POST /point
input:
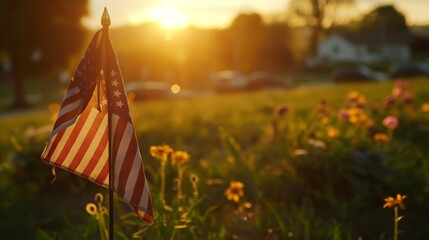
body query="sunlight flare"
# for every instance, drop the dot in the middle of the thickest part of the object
(168, 16)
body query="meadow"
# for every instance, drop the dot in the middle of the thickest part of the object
(303, 163)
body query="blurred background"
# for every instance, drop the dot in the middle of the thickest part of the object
(200, 48)
(288, 97)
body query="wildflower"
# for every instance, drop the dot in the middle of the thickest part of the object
(389, 101)
(380, 137)
(402, 83)
(160, 152)
(234, 191)
(323, 109)
(425, 107)
(332, 132)
(356, 99)
(194, 178)
(357, 116)
(391, 122)
(343, 114)
(316, 143)
(54, 108)
(393, 202)
(180, 157)
(300, 152)
(397, 91)
(407, 97)
(281, 110)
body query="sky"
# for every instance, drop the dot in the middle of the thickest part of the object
(220, 13)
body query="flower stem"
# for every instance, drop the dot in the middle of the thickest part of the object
(163, 182)
(179, 181)
(395, 226)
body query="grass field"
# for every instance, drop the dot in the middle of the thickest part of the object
(307, 159)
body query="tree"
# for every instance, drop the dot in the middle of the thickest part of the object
(39, 36)
(384, 18)
(318, 14)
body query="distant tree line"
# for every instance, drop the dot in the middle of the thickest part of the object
(248, 44)
(40, 37)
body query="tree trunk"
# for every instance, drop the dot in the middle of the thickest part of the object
(19, 101)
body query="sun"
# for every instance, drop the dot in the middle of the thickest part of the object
(168, 16)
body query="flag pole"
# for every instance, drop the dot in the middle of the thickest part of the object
(105, 22)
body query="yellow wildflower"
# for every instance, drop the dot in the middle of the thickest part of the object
(393, 202)
(355, 98)
(160, 152)
(234, 191)
(333, 132)
(54, 108)
(425, 107)
(180, 157)
(380, 137)
(357, 116)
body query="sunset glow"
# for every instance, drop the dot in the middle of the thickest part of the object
(167, 15)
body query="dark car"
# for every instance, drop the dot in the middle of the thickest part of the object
(144, 90)
(411, 70)
(228, 80)
(356, 74)
(261, 80)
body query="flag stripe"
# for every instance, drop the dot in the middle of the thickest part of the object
(122, 150)
(71, 107)
(48, 147)
(72, 142)
(97, 146)
(71, 92)
(54, 145)
(103, 177)
(92, 162)
(145, 196)
(128, 176)
(90, 140)
(100, 164)
(138, 189)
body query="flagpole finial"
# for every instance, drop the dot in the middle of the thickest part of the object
(105, 18)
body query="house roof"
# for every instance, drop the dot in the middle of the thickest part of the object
(378, 38)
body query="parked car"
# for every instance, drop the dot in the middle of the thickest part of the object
(145, 90)
(411, 70)
(357, 74)
(227, 80)
(262, 79)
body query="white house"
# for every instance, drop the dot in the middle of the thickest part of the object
(358, 48)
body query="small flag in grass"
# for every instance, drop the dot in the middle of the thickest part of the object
(94, 125)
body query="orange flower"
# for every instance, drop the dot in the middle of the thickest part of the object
(160, 152)
(333, 132)
(357, 116)
(180, 157)
(54, 108)
(393, 202)
(355, 98)
(380, 137)
(234, 191)
(425, 107)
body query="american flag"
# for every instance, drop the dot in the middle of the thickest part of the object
(88, 115)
